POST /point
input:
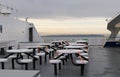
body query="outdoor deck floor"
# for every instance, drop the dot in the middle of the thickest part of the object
(103, 62)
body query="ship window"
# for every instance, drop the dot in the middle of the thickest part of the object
(0, 28)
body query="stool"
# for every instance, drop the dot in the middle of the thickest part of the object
(40, 56)
(26, 61)
(13, 57)
(82, 64)
(2, 61)
(63, 59)
(55, 62)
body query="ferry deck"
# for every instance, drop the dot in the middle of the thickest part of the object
(103, 62)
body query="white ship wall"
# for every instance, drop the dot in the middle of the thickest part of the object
(16, 30)
(13, 29)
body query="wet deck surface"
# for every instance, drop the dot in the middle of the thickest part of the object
(103, 62)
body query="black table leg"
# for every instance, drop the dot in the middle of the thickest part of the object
(13, 65)
(82, 69)
(2, 65)
(34, 64)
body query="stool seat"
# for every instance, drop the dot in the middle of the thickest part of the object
(40, 54)
(86, 50)
(62, 57)
(55, 61)
(3, 60)
(81, 61)
(36, 56)
(84, 54)
(12, 56)
(50, 49)
(26, 60)
(86, 57)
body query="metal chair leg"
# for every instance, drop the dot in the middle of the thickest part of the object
(45, 58)
(82, 69)
(59, 66)
(26, 66)
(40, 57)
(13, 65)
(55, 69)
(34, 64)
(2, 65)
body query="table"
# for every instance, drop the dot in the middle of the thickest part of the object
(34, 50)
(19, 73)
(34, 47)
(49, 45)
(59, 42)
(70, 52)
(19, 51)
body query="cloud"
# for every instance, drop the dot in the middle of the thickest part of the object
(65, 8)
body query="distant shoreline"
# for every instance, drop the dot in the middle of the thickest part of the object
(76, 35)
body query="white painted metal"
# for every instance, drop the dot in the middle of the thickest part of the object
(16, 30)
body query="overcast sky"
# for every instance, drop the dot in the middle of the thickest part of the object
(65, 8)
(61, 9)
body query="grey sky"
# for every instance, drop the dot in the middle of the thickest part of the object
(65, 8)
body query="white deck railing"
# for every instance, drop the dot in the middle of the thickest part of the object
(5, 44)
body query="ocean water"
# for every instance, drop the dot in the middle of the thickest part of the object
(92, 39)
